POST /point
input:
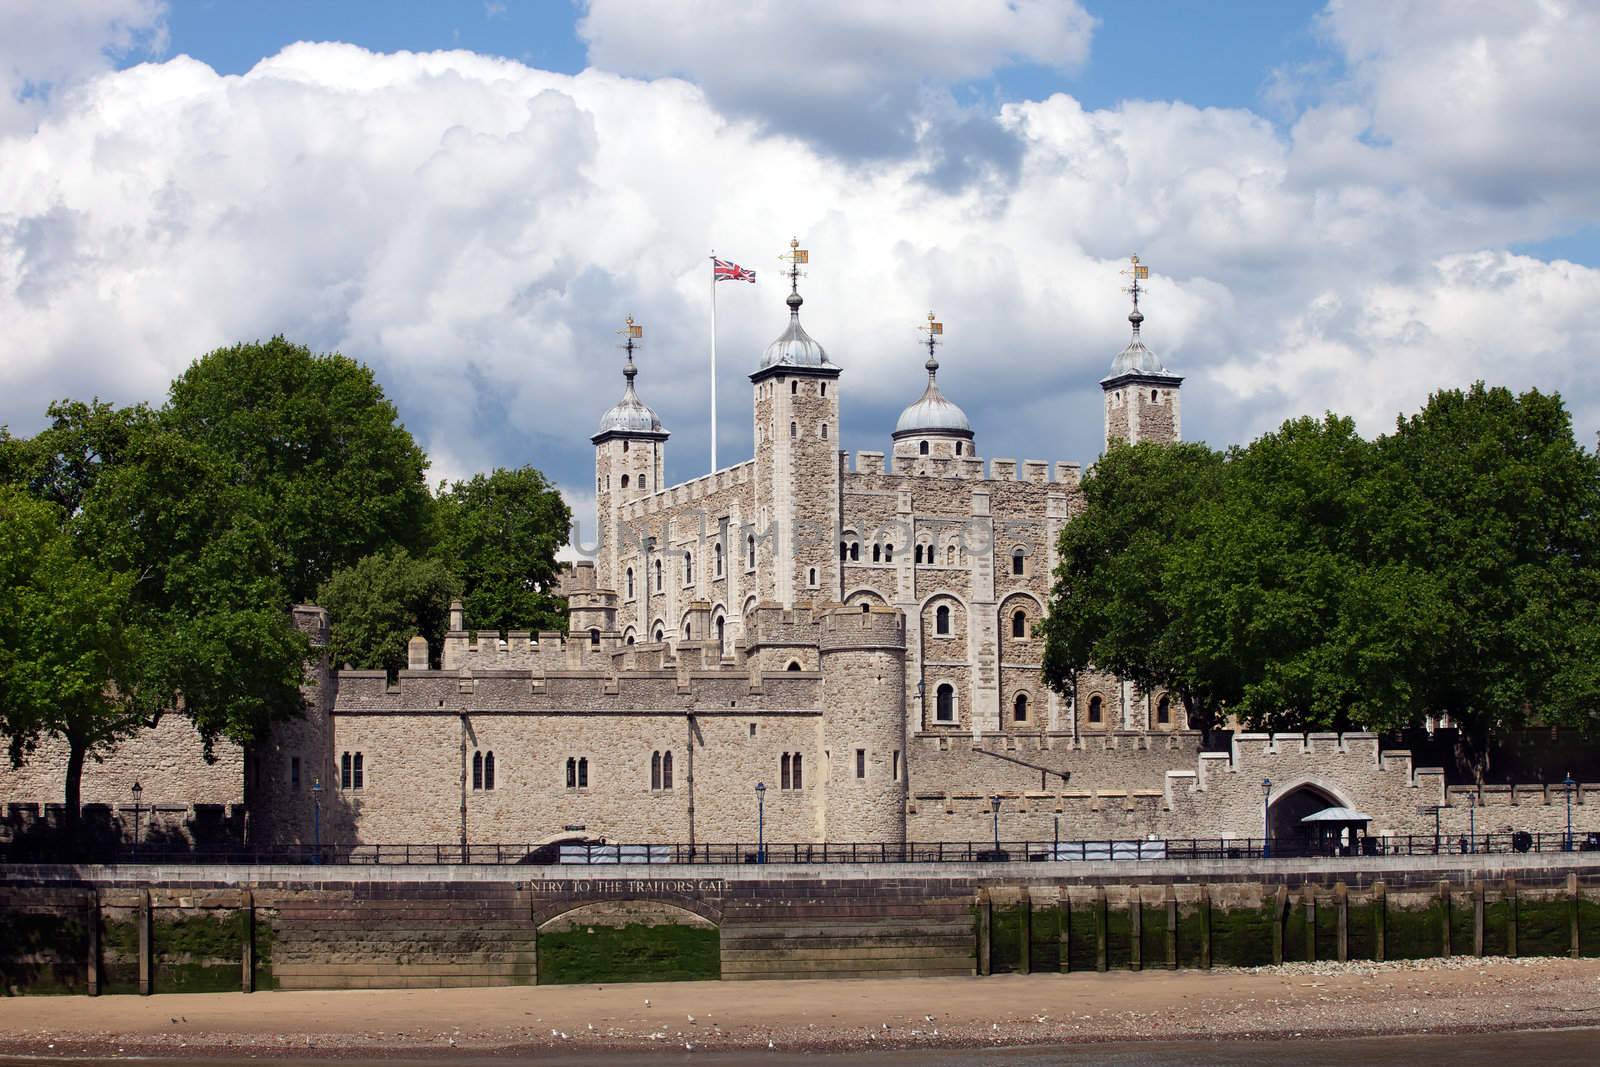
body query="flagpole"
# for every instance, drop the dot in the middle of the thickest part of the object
(713, 360)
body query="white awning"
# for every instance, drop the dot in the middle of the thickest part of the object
(1338, 815)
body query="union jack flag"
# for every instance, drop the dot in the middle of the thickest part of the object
(724, 271)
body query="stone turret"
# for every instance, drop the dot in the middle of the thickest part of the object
(863, 723)
(1141, 395)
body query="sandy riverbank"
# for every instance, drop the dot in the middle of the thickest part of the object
(1307, 1000)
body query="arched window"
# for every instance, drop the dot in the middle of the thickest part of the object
(1019, 708)
(923, 448)
(477, 770)
(594, 638)
(844, 551)
(950, 556)
(658, 576)
(855, 551)
(624, 481)
(877, 553)
(824, 431)
(643, 480)
(958, 447)
(1094, 709)
(1164, 711)
(688, 568)
(824, 389)
(583, 772)
(794, 430)
(1017, 557)
(488, 770)
(865, 607)
(344, 771)
(783, 772)
(888, 553)
(666, 770)
(630, 583)
(358, 782)
(941, 620)
(655, 770)
(661, 635)
(716, 557)
(795, 781)
(1019, 624)
(721, 634)
(794, 665)
(630, 639)
(750, 551)
(624, 446)
(794, 388)
(811, 577)
(919, 554)
(572, 773)
(1152, 396)
(944, 703)
(688, 632)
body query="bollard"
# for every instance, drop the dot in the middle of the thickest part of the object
(146, 964)
(92, 929)
(1064, 931)
(1341, 903)
(247, 963)
(985, 930)
(1380, 921)
(1136, 930)
(1101, 960)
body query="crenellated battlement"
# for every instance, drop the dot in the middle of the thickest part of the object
(965, 468)
(689, 492)
(875, 627)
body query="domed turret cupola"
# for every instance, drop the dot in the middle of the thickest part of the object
(630, 415)
(934, 425)
(795, 349)
(1141, 395)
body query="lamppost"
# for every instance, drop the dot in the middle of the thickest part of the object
(1266, 817)
(761, 822)
(316, 821)
(994, 802)
(138, 791)
(1566, 844)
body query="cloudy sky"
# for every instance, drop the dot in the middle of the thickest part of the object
(1344, 206)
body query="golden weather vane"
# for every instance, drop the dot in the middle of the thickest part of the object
(934, 329)
(1138, 272)
(632, 333)
(795, 257)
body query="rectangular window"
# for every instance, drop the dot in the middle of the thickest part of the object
(294, 772)
(896, 765)
(358, 771)
(861, 763)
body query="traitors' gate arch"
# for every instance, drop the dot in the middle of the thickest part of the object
(627, 929)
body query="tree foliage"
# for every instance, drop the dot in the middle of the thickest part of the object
(315, 450)
(500, 534)
(1315, 580)
(380, 603)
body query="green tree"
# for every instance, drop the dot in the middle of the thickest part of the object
(380, 603)
(500, 533)
(1110, 607)
(66, 653)
(315, 449)
(1491, 497)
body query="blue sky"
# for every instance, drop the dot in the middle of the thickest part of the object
(1346, 205)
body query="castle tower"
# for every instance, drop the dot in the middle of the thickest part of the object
(933, 426)
(629, 461)
(795, 528)
(1141, 395)
(863, 657)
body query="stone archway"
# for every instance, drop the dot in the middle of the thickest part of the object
(639, 940)
(1298, 801)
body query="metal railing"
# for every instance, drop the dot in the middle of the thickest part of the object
(581, 854)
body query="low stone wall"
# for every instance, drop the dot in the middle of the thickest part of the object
(153, 929)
